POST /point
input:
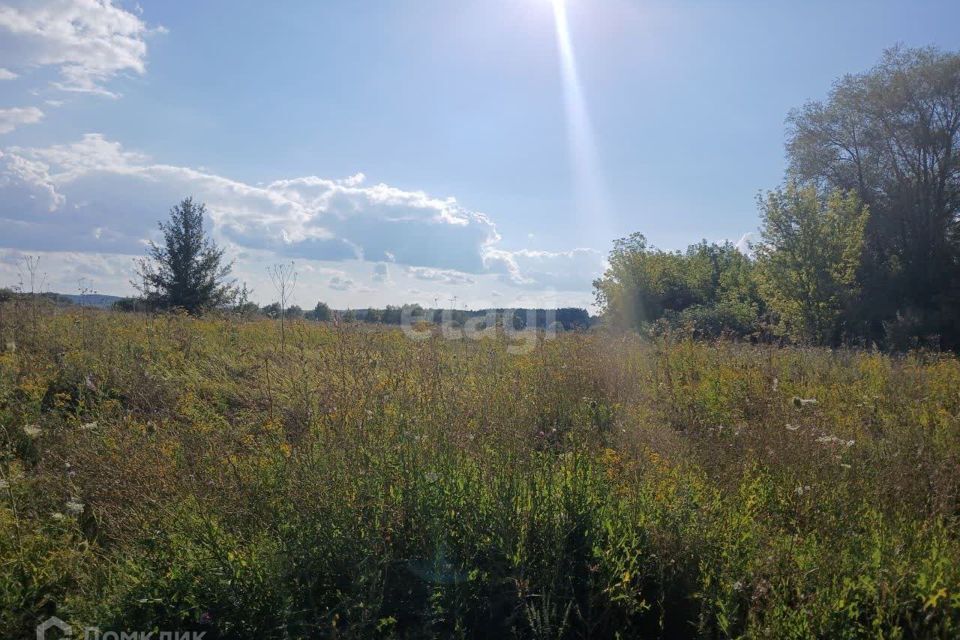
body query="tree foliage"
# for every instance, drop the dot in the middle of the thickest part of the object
(320, 313)
(808, 260)
(709, 287)
(892, 135)
(187, 270)
(861, 246)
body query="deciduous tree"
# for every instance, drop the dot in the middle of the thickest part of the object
(808, 260)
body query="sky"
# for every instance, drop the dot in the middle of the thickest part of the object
(457, 152)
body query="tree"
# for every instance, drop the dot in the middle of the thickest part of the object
(709, 288)
(187, 271)
(632, 290)
(243, 307)
(284, 279)
(573, 318)
(892, 135)
(320, 313)
(293, 312)
(808, 260)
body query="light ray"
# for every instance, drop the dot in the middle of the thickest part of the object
(585, 165)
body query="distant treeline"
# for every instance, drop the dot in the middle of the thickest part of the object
(860, 246)
(569, 318)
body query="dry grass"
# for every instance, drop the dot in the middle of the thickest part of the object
(173, 473)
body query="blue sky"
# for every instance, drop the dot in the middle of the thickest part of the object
(455, 112)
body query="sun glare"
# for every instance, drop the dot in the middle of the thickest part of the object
(588, 185)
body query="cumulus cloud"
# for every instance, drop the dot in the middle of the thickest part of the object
(564, 270)
(95, 195)
(26, 188)
(443, 276)
(10, 119)
(335, 219)
(88, 41)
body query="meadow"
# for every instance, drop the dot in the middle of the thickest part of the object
(172, 473)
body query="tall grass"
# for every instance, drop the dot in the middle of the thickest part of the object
(170, 473)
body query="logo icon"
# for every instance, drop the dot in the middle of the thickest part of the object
(53, 622)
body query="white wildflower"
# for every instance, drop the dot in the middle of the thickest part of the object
(776, 384)
(835, 440)
(57, 515)
(89, 426)
(32, 430)
(74, 507)
(430, 477)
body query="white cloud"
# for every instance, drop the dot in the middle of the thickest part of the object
(443, 276)
(95, 196)
(6, 74)
(10, 119)
(68, 272)
(88, 41)
(563, 270)
(26, 187)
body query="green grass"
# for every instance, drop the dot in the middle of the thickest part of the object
(172, 474)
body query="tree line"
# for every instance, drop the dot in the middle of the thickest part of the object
(187, 272)
(569, 318)
(858, 246)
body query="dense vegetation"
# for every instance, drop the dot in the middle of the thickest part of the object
(171, 472)
(859, 247)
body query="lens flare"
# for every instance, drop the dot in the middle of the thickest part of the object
(588, 185)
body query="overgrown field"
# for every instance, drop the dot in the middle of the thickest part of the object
(170, 473)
